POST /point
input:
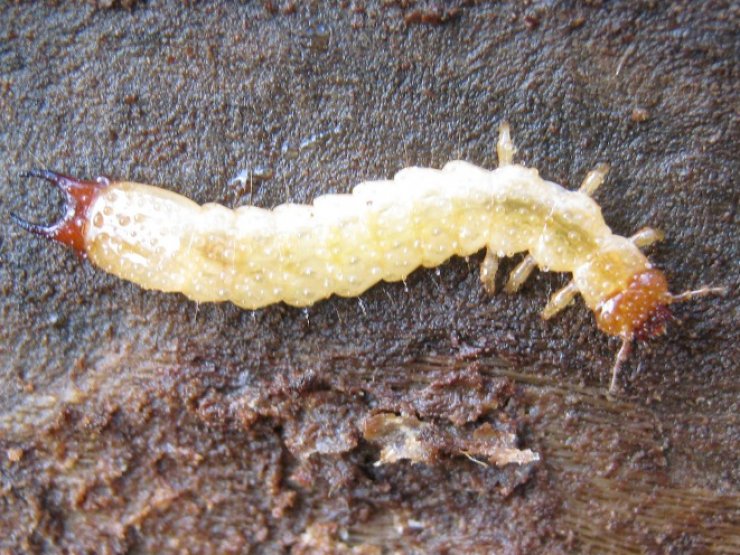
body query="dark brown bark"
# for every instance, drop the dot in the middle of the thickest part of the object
(135, 421)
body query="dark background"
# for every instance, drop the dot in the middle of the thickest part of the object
(136, 421)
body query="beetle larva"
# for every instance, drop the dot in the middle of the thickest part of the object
(343, 244)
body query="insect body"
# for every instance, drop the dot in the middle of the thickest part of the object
(384, 230)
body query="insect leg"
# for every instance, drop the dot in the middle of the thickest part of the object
(646, 237)
(594, 179)
(505, 147)
(563, 297)
(560, 300)
(488, 269)
(520, 274)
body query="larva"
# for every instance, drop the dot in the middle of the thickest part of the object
(383, 230)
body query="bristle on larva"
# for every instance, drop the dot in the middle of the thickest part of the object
(383, 230)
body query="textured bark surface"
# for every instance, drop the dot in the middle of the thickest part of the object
(136, 421)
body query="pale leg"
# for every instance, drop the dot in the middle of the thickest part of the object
(646, 237)
(560, 300)
(594, 179)
(520, 274)
(488, 269)
(505, 147)
(563, 297)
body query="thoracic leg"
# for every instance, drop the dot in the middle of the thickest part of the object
(505, 147)
(520, 274)
(594, 179)
(560, 300)
(646, 237)
(488, 269)
(563, 297)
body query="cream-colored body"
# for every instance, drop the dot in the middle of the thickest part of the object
(343, 244)
(384, 230)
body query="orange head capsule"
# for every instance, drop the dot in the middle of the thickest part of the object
(640, 311)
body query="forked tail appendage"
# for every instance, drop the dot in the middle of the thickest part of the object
(79, 195)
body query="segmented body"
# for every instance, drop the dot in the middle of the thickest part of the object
(383, 230)
(343, 244)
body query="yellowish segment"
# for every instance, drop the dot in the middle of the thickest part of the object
(343, 244)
